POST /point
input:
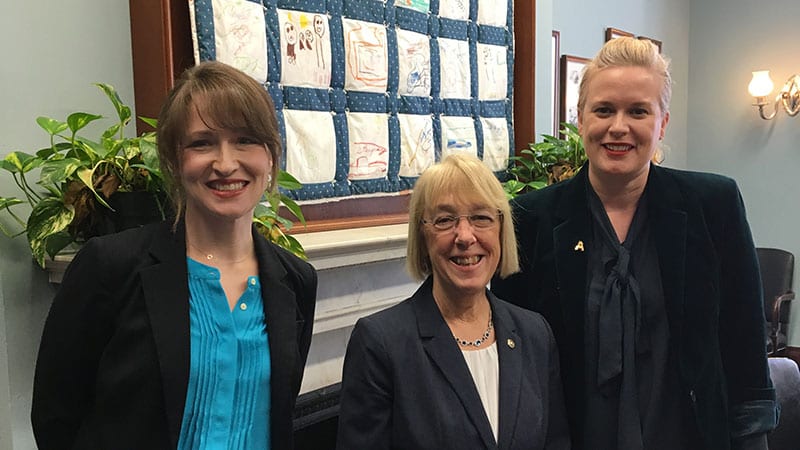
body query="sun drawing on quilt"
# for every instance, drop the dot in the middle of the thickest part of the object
(306, 49)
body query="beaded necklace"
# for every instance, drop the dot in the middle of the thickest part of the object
(477, 342)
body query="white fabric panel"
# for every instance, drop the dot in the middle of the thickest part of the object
(369, 145)
(492, 12)
(310, 145)
(240, 36)
(305, 49)
(495, 143)
(454, 9)
(454, 67)
(366, 53)
(458, 135)
(414, 57)
(492, 72)
(416, 144)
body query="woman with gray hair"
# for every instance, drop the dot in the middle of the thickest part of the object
(648, 276)
(454, 367)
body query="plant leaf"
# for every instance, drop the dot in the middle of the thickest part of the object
(147, 145)
(6, 202)
(78, 120)
(47, 218)
(56, 242)
(87, 177)
(52, 126)
(152, 122)
(287, 181)
(294, 208)
(57, 171)
(123, 111)
(16, 162)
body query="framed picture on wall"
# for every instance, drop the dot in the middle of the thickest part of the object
(554, 70)
(571, 72)
(654, 41)
(613, 33)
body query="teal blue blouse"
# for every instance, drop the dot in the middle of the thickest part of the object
(228, 396)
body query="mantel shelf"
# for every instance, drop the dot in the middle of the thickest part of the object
(325, 249)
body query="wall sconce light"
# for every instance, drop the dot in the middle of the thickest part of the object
(761, 86)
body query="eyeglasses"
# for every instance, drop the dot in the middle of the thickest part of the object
(480, 221)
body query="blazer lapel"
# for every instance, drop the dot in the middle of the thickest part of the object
(444, 352)
(166, 294)
(510, 372)
(281, 320)
(571, 235)
(669, 221)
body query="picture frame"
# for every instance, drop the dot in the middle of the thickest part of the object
(555, 71)
(571, 72)
(613, 33)
(654, 41)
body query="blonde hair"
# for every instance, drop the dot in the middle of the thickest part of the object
(627, 51)
(230, 99)
(631, 52)
(466, 177)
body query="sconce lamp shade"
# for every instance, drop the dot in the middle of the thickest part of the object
(761, 85)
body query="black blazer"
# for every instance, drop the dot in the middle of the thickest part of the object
(113, 366)
(406, 384)
(712, 291)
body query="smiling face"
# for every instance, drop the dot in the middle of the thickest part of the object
(463, 258)
(223, 172)
(621, 123)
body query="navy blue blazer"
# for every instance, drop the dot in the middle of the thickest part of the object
(113, 365)
(712, 292)
(406, 384)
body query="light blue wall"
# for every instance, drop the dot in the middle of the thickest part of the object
(52, 53)
(729, 39)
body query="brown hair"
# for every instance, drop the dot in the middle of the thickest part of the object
(230, 99)
(467, 177)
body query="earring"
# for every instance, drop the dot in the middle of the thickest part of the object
(269, 178)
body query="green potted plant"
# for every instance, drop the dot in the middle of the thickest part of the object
(85, 185)
(552, 160)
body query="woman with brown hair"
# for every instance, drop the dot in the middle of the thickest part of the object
(194, 333)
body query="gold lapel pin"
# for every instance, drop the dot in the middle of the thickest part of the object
(511, 343)
(579, 246)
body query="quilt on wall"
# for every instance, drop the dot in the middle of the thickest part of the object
(369, 93)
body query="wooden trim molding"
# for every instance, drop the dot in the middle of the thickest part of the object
(161, 47)
(524, 70)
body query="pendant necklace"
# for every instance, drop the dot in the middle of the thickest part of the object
(210, 256)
